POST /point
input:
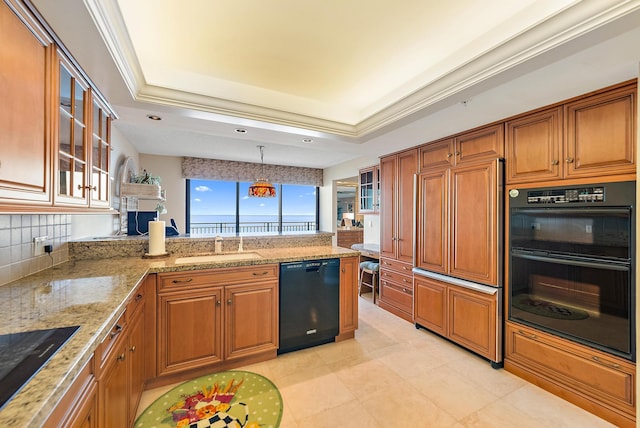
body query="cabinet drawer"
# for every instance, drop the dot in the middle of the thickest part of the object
(222, 276)
(396, 265)
(589, 372)
(397, 278)
(397, 295)
(107, 346)
(136, 302)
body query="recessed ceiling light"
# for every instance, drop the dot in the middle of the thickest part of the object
(154, 117)
(307, 140)
(241, 130)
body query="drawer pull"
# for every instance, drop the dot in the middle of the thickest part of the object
(604, 363)
(133, 348)
(530, 336)
(263, 273)
(229, 301)
(116, 330)
(405, 280)
(182, 281)
(122, 357)
(139, 297)
(404, 290)
(218, 303)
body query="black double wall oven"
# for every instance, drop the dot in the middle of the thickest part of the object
(571, 263)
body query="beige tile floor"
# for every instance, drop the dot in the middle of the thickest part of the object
(393, 375)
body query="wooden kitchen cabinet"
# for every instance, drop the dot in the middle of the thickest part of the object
(189, 329)
(25, 119)
(210, 316)
(589, 136)
(122, 358)
(348, 297)
(465, 315)
(251, 319)
(55, 122)
(601, 133)
(83, 131)
(396, 205)
(458, 228)
(533, 146)
(397, 232)
(78, 408)
(596, 381)
(396, 288)
(484, 143)
(369, 190)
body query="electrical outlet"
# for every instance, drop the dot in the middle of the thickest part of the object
(38, 245)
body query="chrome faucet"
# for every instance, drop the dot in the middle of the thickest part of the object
(218, 244)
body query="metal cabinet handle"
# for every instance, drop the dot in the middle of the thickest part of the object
(457, 153)
(449, 155)
(182, 281)
(139, 297)
(569, 160)
(530, 336)
(555, 162)
(133, 348)
(261, 273)
(122, 357)
(116, 330)
(229, 301)
(80, 187)
(218, 303)
(604, 363)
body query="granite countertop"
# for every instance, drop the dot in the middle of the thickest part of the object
(93, 294)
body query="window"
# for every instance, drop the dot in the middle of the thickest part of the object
(223, 207)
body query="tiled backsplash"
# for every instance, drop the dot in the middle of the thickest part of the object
(16, 243)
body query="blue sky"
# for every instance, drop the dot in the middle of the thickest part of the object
(218, 198)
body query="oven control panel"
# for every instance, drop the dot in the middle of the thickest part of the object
(565, 196)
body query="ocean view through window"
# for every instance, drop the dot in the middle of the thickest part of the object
(217, 207)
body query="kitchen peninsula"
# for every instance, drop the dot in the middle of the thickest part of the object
(98, 290)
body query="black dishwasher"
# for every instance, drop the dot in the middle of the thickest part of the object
(309, 303)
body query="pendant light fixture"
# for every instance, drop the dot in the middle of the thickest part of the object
(262, 188)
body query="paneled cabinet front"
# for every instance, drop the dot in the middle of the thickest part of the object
(53, 120)
(208, 317)
(25, 118)
(190, 329)
(458, 229)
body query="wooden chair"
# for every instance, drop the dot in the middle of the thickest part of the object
(371, 269)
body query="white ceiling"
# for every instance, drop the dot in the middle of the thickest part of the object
(361, 78)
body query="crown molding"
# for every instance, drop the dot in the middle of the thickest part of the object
(567, 25)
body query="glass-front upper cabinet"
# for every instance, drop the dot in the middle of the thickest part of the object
(100, 154)
(71, 179)
(369, 190)
(83, 142)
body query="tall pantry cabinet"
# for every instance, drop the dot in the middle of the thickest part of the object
(396, 232)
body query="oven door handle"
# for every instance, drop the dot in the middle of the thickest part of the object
(622, 267)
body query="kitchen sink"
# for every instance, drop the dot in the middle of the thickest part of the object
(218, 258)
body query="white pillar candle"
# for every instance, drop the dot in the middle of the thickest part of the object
(156, 238)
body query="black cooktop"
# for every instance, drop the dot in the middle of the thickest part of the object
(23, 354)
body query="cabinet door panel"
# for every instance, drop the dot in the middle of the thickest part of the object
(475, 234)
(189, 330)
(472, 321)
(251, 319)
(430, 305)
(348, 294)
(601, 134)
(114, 391)
(436, 154)
(24, 121)
(407, 167)
(137, 361)
(388, 212)
(534, 147)
(433, 220)
(481, 144)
